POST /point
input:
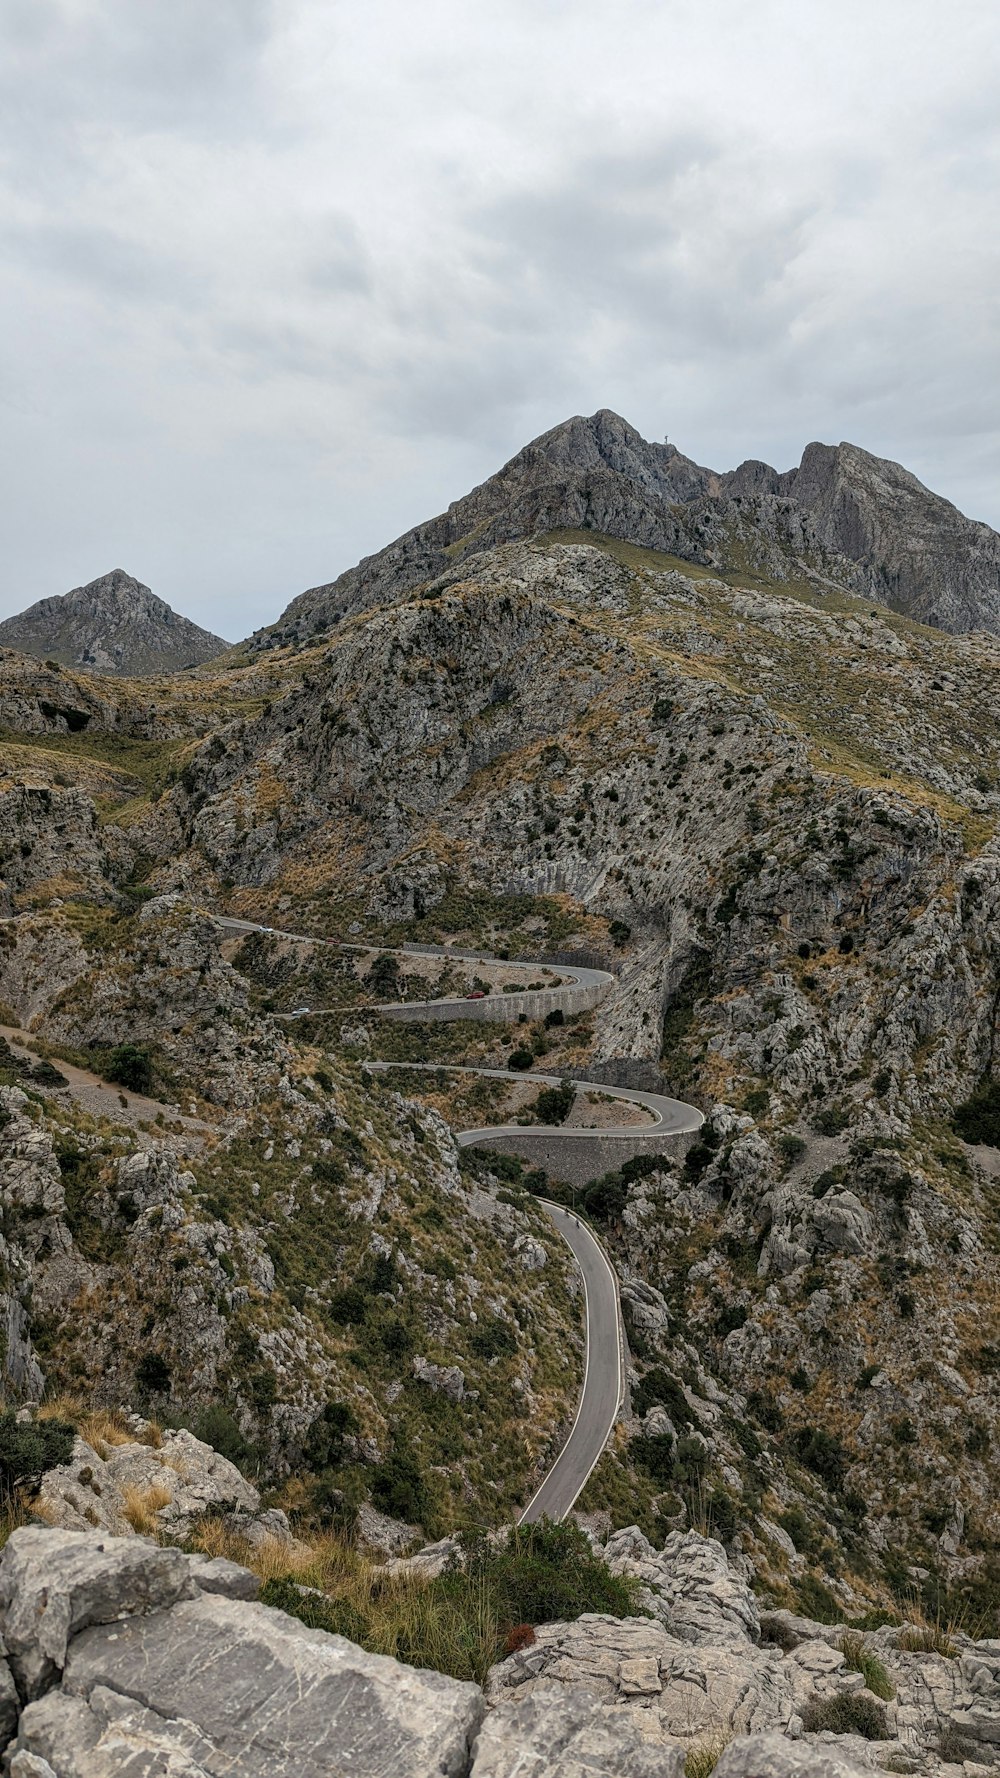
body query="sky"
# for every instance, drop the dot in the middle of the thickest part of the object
(281, 278)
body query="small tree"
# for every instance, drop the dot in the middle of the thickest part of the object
(28, 1449)
(130, 1065)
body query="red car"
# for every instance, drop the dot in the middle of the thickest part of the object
(477, 994)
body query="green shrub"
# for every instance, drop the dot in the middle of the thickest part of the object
(954, 1749)
(800, 1530)
(520, 1059)
(130, 1065)
(849, 1713)
(27, 1450)
(383, 977)
(791, 1146)
(978, 1119)
(830, 1120)
(860, 1659)
(554, 1104)
(730, 1317)
(605, 1199)
(822, 1452)
(316, 1610)
(398, 1486)
(654, 1452)
(325, 1442)
(545, 1573)
(153, 1373)
(493, 1339)
(816, 1601)
(659, 1389)
(765, 1409)
(701, 1154)
(348, 1308)
(216, 1426)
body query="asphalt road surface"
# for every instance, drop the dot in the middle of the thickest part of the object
(671, 1117)
(601, 1394)
(570, 975)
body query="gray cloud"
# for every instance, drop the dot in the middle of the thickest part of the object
(281, 280)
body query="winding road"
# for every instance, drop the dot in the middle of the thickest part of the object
(601, 1393)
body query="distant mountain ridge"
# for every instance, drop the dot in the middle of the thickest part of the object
(843, 514)
(115, 624)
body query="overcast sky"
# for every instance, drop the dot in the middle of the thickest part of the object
(281, 278)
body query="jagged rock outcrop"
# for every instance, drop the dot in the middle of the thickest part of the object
(889, 535)
(121, 1657)
(112, 625)
(175, 1481)
(861, 520)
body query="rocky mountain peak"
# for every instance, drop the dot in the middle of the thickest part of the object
(114, 624)
(843, 515)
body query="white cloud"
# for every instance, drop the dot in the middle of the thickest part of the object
(282, 277)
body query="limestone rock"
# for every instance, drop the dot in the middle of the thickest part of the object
(443, 1379)
(773, 1756)
(692, 1587)
(265, 1695)
(217, 1575)
(674, 1692)
(54, 1583)
(390, 1537)
(559, 1732)
(91, 1491)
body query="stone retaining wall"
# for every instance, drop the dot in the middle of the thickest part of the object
(503, 1009)
(578, 1159)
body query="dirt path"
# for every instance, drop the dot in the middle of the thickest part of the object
(116, 1104)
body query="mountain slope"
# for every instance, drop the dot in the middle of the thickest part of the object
(112, 625)
(775, 806)
(843, 515)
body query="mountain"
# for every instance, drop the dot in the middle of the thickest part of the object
(768, 800)
(112, 625)
(844, 515)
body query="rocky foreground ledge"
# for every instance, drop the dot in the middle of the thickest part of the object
(126, 1658)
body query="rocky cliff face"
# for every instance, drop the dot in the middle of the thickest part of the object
(844, 515)
(885, 534)
(112, 625)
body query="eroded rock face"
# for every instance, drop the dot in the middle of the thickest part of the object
(134, 1660)
(222, 1683)
(565, 1733)
(671, 1692)
(871, 523)
(54, 1583)
(91, 1491)
(690, 1586)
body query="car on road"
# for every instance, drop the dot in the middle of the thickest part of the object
(299, 1012)
(477, 994)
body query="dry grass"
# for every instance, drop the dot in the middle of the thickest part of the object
(701, 1759)
(927, 1639)
(100, 1428)
(141, 1505)
(16, 1510)
(325, 1561)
